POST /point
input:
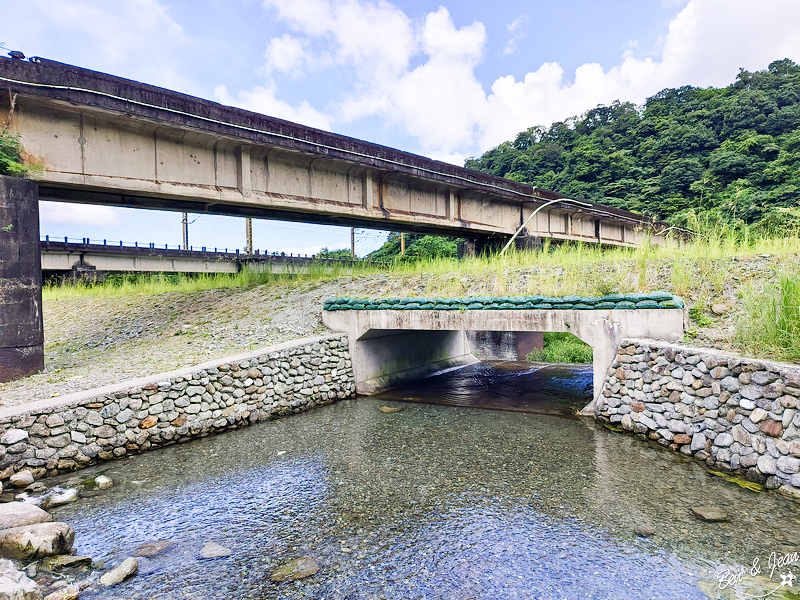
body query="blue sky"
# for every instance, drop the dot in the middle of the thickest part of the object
(443, 79)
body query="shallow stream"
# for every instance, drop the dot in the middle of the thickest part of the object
(435, 501)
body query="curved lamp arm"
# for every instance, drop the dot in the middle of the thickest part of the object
(533, 214)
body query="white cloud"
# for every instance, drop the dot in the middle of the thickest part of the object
(137, 38)
(515, 28)
(262, 99)
(55, 213)
(285, 54)
(419, 76)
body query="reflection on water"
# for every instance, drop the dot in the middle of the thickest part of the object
(430, 502)
(555, 389)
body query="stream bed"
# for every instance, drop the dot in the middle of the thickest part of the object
(446, 500)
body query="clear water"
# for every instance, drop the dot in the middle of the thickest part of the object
(435, 501)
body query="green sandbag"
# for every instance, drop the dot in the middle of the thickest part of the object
(384, 306)
(475, 306)
(507, 306)
(528, 305)
(612, 298)
(544, 305)
(582, 306)
(625, 304)
(647, 304)
(605, 305)
(636, 297)
(590, 299)
(659, 295)
(411, 306)
(427, 306)
(565, 306)
(534, 299)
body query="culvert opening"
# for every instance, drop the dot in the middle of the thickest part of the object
(552, 389)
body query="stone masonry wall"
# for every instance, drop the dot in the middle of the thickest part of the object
(736, 414)
(70, 432)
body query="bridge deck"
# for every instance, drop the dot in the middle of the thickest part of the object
(106, 140)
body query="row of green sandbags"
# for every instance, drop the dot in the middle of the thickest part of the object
(610, 301)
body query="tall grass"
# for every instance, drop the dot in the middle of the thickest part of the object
(769, 326)
(567, 268)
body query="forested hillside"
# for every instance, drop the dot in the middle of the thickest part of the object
(732, 152)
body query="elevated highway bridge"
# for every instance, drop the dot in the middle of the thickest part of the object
(106, 140)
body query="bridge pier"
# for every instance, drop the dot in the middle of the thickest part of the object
(21, 326)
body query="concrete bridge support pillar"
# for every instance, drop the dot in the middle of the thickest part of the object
(21, 327)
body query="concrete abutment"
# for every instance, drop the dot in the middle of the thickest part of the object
(21, 326)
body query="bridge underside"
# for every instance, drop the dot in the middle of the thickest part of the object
(390, 347)
(105, 140)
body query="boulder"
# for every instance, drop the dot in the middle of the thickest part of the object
(681, 439)
(36, 541)
(65, 561)
(15, 585)
(69, 592)
(214, 550)
(153, 548)
(102, 482)
(299, 568)
(711, 514)
(19, 514)
(60, 498)
(22, 479)
(127, 568)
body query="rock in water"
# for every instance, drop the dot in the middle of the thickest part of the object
(644, 531)
(127, 568)
(17, 514)
(153, 548)
(712, 514)
(389, 409)
(22, 479)
(214, 550)
(36, 541)
(66, 593)
(15, 585)
(299, 568)
(65, 561)
(102, 482)
(64, 497)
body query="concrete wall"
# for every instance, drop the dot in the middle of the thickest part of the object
(21, 328)
(504, 345)
(601, 329)
(737, 414)
(76, 430)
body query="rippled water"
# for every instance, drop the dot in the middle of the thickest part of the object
(431, 502)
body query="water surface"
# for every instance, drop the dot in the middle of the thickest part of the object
(435, 501)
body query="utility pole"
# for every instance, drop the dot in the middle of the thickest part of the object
(353, 243)
(249, 248)
(185, 231)
(402, 243)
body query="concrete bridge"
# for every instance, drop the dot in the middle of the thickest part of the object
(83, 258)
(391, 347)
(105, 140)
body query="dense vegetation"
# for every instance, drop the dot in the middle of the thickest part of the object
(10, 150)
(562, 348)
(730, 153)
(418, 247)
